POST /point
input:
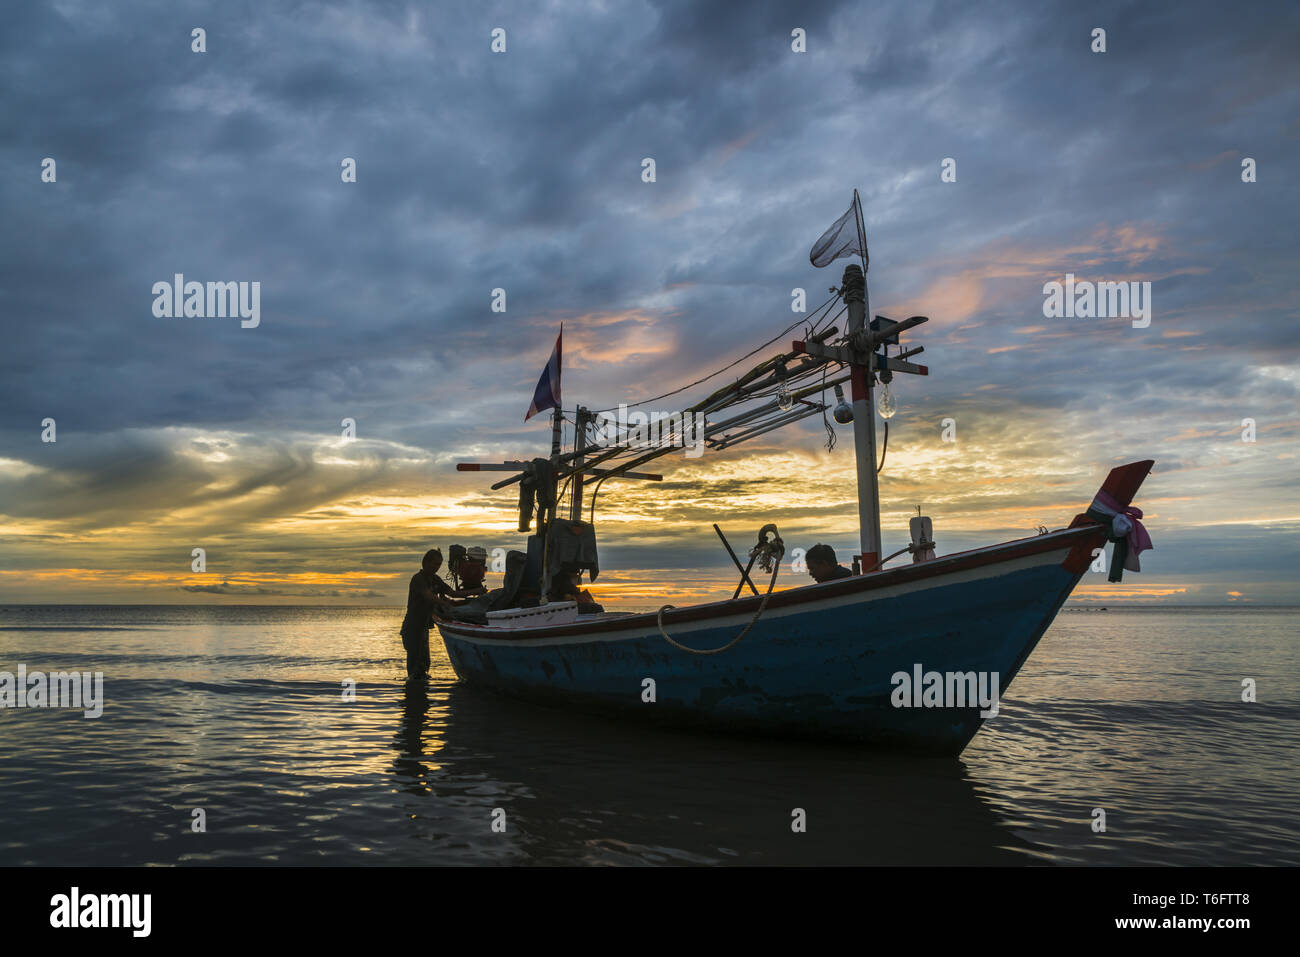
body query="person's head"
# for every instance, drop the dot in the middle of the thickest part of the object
(820, 561)
(562, 587)
(432, 561)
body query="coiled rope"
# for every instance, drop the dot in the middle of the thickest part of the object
(732, 643)
(772, 551)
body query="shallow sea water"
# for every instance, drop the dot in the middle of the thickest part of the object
(238, 711)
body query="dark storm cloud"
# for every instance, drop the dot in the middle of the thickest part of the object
(520, 170)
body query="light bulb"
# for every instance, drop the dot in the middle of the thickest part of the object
(885, 404)
(784, 400)
(843, 411)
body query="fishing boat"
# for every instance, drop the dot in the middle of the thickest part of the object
(914, 656)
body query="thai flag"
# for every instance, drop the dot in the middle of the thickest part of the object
(547, 395)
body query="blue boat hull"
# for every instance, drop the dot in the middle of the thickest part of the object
(820, 662)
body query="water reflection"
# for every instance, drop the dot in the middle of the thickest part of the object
(409, 740)
(580, 789)
(239, 711)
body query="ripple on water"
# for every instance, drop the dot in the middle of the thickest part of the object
(240, 713)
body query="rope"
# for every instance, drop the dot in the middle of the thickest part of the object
(891, 557)
(883, 449)
(830, 432)
(793, 325)
(594, 492)
(560, 495)
(776, 567)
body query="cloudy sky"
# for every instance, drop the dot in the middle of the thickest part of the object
(522, 170)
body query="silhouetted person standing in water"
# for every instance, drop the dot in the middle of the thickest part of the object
(428, 593)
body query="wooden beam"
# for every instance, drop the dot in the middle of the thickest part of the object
(898, 365)
(838, 353)
(485, 467)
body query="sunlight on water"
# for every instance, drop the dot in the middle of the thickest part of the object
(240, 712)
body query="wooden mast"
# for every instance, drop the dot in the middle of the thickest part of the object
(557, 426)
(579, 446)
(859, 353)
(864, 424)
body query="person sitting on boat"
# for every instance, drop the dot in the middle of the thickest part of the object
(428, 595)
(568, 587)
(822, 565)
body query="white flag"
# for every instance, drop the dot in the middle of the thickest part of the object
(842, 239)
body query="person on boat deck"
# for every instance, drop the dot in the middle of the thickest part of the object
(427, 596)
(568, 587)
(822, 565)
